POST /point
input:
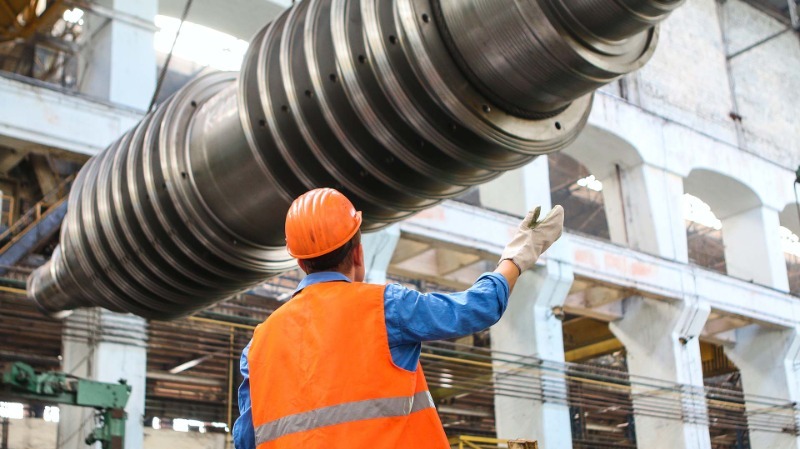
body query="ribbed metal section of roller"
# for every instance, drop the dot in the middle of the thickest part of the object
(400, 104)
(534, 58)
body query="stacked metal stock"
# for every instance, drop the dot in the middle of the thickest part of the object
(400, 104)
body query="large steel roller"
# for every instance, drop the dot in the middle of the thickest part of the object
(398, 103)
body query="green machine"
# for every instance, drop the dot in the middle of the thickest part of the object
(21, 382)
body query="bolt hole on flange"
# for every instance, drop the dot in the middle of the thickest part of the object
(393, 39)
(426, 18)
(558, 125)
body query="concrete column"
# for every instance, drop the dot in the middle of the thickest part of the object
(532, 326)
(106, 347)
(517, 191)
(643, 207)
(121, 56)
(768, 362)
(378, 250)
(753, 248)
(661, 340)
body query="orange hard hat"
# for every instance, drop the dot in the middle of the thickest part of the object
(320, 221)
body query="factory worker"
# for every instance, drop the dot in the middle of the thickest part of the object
(337, 366)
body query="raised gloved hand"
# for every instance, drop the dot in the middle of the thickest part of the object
(534, 237)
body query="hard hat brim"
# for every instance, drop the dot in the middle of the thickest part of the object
(356, 227)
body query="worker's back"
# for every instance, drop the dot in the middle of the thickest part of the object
(322, 376)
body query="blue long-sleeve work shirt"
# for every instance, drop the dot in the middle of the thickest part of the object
(411, 318)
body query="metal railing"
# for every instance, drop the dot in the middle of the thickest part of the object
(459, 371)
(468, 379)
(476, 442)
(6, 211)
(35, 213)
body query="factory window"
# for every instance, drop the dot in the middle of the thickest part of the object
(703, 234)
(790, 243)
(791, 250)
(51, 414)
(198, 44)
(12, 410)
(183, 425)
(723, 384)
(717, 235)
(581, 194)
(74, 16)
(471, 197)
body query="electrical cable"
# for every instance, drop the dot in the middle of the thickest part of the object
(164, 69)
(796, 199)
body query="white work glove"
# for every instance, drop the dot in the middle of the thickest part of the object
(534, 237)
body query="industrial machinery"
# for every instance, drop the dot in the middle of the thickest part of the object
(398, 103)
(21, 382)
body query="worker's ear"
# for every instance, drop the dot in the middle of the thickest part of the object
(302, 266)
(358, 256)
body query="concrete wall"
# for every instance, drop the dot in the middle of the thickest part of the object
(766, 82)
(690, 81)
(687, 79)
(170, 439)
(32, 433)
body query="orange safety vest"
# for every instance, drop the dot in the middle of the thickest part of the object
(322, 376)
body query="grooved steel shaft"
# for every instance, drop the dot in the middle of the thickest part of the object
(400, 104)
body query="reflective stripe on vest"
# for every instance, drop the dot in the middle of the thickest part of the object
(322, 377)
(343, 413)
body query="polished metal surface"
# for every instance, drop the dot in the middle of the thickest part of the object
(373, 97)
(613, 20)
(534, 57)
